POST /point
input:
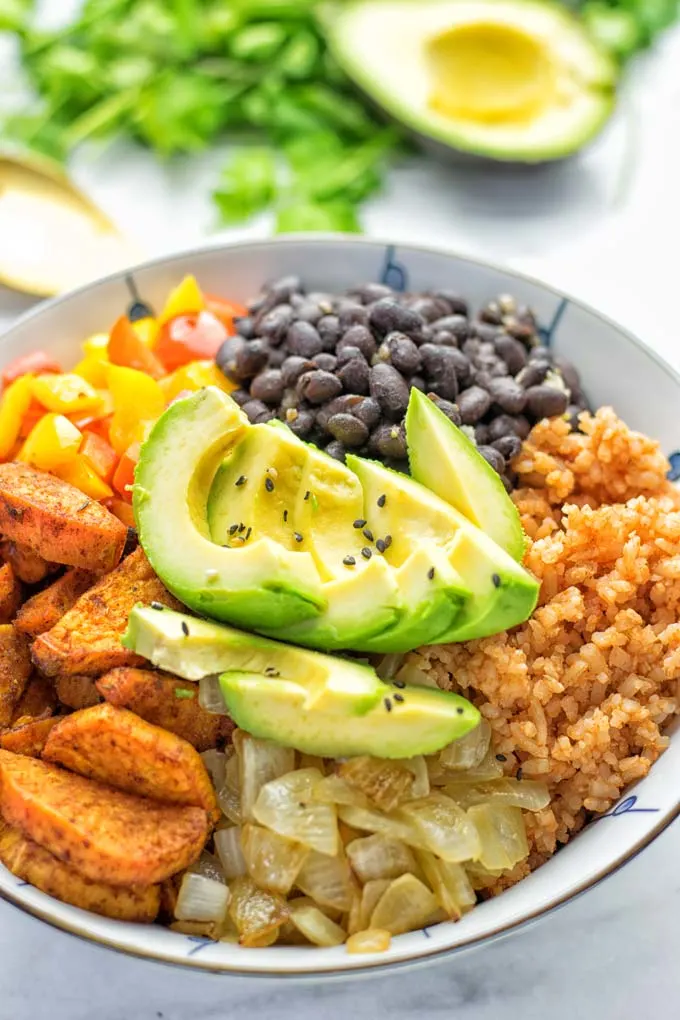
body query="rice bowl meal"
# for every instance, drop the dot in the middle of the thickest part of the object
(324, 618)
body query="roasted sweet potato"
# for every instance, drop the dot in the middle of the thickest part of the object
(77, 691)
(87, 638)
(160, 698)
(37, 701)
(15, 669)
(44, 610)
(10, 593)
(57, 521)
(108, 836)
(28, 566)
(116, 747)
(28, 737)
(30, 862)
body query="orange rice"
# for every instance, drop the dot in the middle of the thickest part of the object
(578, 696)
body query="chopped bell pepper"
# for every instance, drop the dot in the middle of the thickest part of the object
(86, 422)
(137, 400)
(194, 376)
(146, 330)
(123, 511)
(29, 364)
(225, 311)
(126, 349)
(79, 473)
(190, 337)
(15, 403)
(35, 412)
(99, 454)
(185, 297)
(65, 394)
(93, 370)
(95, 345)
(52, 443)
(124, 476)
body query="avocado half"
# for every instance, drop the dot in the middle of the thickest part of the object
(510, 80)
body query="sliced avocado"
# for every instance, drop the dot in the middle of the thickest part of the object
(319, 704)
(512, 80)
(502, 593)
(261, 581)
(443, 459)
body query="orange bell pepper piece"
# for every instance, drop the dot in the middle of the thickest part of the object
(127, 349)
(123, 511)
(99, 454)
(124, 475)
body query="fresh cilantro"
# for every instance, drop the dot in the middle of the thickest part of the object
(247, 185)
(184, 693)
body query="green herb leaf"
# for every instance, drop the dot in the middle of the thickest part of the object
(183, 692)
(247, 185)
(304, 216)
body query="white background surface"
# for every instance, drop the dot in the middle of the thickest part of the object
(606, 228)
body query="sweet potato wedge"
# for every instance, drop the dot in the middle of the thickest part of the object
(28, 737)
(28, 566)
(87, 638)
(43, 611)
(10, 593)
(15, 669)
(77, 691)
(37, 701)
(116, 747)
(57, 521)
(106, 835)
(160, 698)
(30, 862)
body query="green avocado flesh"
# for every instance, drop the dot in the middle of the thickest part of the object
(316, 703)
(512, 80)
(444, 460)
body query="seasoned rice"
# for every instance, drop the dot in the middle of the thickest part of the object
(578, 696)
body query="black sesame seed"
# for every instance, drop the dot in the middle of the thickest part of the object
(297, 536)
(269, 484)
(241, 527)
(501, 757)
(388, 704)
(496, 580)
(185, 628)
(349, 561)
(382, 500)
(307, 495)
(233, 529)
(241, 480)
(459, 711)
(368, 534)
(388, 541)
(366, 553)
(520, 774)
(248, 534)
(399, 683)
(398, 697)
(157, 605)
(430, 573)
(359, 523)
(272, 671)
(285, 516)
(380, 545)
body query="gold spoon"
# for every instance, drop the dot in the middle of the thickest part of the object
(52, 236)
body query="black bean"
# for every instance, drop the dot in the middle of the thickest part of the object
(336, 450)
(390, 389)
(481, 435)
(344, 404)
(540, 355)
(345, 354)
(451, 411)
(325, 361)
(402, 353)
(355, 375)
(389, 441)
(245, 327)
(268, 386)
(511, 351)
(308, 311)
(317, 387)
(492, 314)
(508, 446)
(258, 412)
(226, 357)
(277, 356)
(351, 313)
(416, 382)
(508, 394)
(571, 377)
(545, 401)
(455, 302)
(388, 316)
(293, 367)
(367, 293)
(302, 423)
(323, 299)
(289, 400)
(505, 425)
(302, 338)
(484, 331)
(444, 338)
(457, 325)
(368, 411)
(441, 361)
(274, 324)
(329, 330)
(347, 429)
(360, 337)
(533, 374)
(525, 332)
(251, 358)
(493, 457)
(240, 396)
(284, 288)
(473, 404)
(429, 307)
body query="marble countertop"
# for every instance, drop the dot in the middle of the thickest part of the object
(604, 226)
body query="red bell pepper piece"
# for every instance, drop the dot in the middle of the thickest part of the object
(125, 348)
(100, 455)
(226, 311)
(124, 475)
(196, 336)
(35, 363)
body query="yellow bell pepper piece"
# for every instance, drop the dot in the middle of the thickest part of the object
(92, 370)
(147, 330)
(15, 402)
(195, 376)
(53, 442)
(137, 400)
(65, 393)
(96, 345)
(79, 473)
(186, 297)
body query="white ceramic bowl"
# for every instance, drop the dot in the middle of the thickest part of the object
(616, 369)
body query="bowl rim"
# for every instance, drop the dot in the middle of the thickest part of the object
(367, 968)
